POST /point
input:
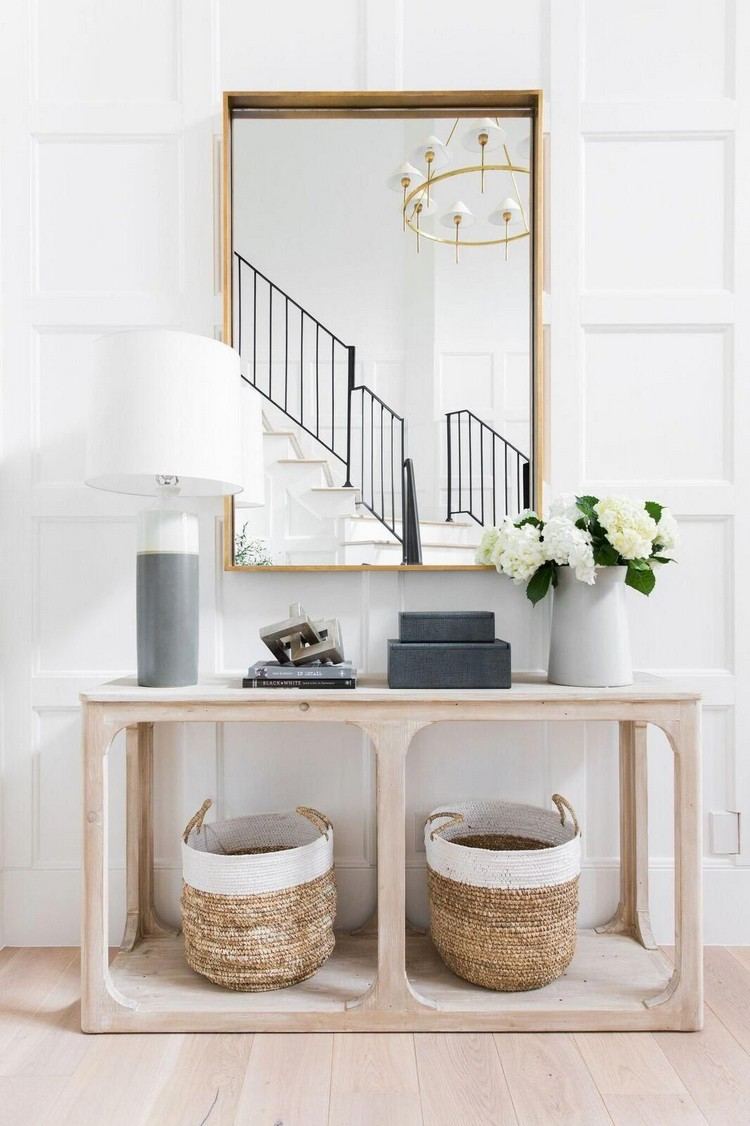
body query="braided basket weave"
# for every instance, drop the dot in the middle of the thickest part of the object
(503, 889)
(258, 898)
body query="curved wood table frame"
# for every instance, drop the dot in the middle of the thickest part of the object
(148, 988)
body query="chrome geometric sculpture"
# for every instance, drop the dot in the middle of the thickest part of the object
(299, 640)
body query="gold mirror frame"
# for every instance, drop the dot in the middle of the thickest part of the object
(394, 103)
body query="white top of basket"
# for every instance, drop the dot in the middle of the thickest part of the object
(207, 863)
(511, 868)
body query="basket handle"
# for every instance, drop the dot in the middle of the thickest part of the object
(196, 821)
(319, 820)
(455, 819)
(564, 805)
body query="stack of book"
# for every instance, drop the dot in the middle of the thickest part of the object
(270, 674)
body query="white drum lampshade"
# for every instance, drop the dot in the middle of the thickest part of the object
(166, 421)
(165, 404)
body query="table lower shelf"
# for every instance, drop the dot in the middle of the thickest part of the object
(607, 985)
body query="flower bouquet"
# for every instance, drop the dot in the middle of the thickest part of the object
(583, 533)
(588, 550)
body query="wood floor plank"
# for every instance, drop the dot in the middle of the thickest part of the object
(374, 1080)
(742, 954)
(27, 980)
(50, 1043)
(205, 1083)
(288, 1080)
(549, 1081)
(6, 954)
(461, 1080)
(636, 1080)
(728, 992)
(714, 1068)
(25, 1100)
(117, 1082)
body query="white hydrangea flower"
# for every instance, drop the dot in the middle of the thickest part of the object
(560, 534)
(667, 532)
(518, 552)
(566, 544)
(486, 546)
(581, 559)
(629, 528)
(565, 506)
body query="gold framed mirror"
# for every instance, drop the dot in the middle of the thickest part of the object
(382, 277)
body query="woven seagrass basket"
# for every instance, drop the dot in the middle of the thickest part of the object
(503, 889)
(258, 898)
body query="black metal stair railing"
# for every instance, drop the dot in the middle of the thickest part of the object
(487, 476)
(295, 362)
(308, 372)
(381, 457)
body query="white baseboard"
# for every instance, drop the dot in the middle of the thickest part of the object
(42, 905)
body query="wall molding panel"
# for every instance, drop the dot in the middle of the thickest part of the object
(110, 220)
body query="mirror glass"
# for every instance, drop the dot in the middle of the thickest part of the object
(382, 308)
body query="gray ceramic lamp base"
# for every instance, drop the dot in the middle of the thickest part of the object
(167, 599)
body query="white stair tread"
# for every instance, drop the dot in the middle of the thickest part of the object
(302, 461)
(333, 489)
(397, 543)
(425, 523)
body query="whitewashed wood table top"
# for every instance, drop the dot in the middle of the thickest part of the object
(528, 687)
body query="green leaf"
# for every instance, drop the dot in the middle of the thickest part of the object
(531, 519)
(605, 555)
(662, 559)
(640, 577)
(654, 510)
(586, 506)
(539, 582)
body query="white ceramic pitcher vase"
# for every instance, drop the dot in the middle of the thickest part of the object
(589, 642)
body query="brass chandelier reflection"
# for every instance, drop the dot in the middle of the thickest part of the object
(433, 163)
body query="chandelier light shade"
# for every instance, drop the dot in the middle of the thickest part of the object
(403, 179)
(405, 171)
(432, 155)
(507, 211)
(457, 216)
(432, 164)
(431, 152)
(483, 136)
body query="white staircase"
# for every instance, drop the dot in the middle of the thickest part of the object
(310, 517)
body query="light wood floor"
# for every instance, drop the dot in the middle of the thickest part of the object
(52, 1074)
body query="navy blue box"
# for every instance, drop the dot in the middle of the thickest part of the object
(446, 625)
(448, 664)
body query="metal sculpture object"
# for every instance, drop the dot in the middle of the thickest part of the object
(299, 640)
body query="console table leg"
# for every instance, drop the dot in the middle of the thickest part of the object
(142, 919)
(632, 914)
(685, 990)
(391, 991)
(98, 996)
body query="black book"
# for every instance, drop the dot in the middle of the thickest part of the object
(272, 671)
(274, 682)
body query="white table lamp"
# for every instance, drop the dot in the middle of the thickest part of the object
(165, 422)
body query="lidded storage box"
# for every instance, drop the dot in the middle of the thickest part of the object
(258, 897)
(503, 889)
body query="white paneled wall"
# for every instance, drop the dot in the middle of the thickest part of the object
(110, 117)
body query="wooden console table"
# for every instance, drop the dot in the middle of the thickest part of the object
(391, 981)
